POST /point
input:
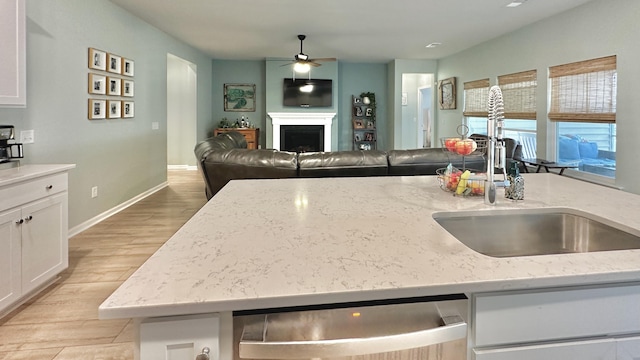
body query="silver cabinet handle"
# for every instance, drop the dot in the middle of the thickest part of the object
(204, 355)
(19, 221)
(28, 218)
(49, 187)
(255, 345)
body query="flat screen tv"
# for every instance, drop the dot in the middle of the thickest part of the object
(308, 93)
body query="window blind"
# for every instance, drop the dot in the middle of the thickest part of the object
(584, 91)
(476, 94)
(519, 94)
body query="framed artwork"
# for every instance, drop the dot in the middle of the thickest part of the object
(127, 67)
(114, 63)
(114, 86)
(370, 125)
(97, 84)
(358, 124)
(447, 93)
(97, 109)
(114, 108)
(369, 112)
(128, 109)
(97, 59)
(239, 97)
(127, 88)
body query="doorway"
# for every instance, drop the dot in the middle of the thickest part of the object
(181, 112)
(417, 111)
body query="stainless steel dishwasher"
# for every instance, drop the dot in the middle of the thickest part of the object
(405, 329)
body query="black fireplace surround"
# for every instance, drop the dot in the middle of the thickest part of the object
(225, 157)
(302, 138)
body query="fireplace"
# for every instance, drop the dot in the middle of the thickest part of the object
(321, 120)
(302, 138)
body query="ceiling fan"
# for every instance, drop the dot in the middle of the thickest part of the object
(302, 62)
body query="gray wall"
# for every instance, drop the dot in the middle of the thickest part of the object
(354, 79)
(124, 158)
(237, 72)
(596, 29)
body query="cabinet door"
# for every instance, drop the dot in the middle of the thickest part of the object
(180, 337)
(10, 286)
(44, 240)
(13, 55)
(584, 350)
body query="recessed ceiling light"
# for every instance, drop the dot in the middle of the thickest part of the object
(433, 44)
(516, 3)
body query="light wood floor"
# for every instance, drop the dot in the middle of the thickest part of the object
(61, 323)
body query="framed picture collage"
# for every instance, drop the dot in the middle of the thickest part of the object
(110, 86)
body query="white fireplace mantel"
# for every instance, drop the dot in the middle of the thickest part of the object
(294, 118)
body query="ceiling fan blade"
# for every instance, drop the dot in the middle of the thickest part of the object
(288, 64)
(323, 59)
(313, 63)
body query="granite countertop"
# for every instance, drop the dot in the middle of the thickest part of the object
(274, 243)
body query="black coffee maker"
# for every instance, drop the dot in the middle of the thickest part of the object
(9, 149)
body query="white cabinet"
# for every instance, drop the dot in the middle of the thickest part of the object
(590, 322)
(10, 269)
(13, 55)
(184, 337)
(33, 233)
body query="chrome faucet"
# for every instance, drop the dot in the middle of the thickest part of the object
(496, 154)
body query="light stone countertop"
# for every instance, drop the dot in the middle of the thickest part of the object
(275, 243)
(18, 173)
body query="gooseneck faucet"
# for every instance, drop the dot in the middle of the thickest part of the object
(496, 154)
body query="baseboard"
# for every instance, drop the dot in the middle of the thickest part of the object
(89, 223)
(182, 167)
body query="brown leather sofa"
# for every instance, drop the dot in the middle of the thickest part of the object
(225, 157)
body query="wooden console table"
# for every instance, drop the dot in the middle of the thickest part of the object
(251, 135)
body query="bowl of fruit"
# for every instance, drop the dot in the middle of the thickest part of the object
(461, 183)
(460, 145)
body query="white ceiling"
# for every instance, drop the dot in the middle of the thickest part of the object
(350, 30)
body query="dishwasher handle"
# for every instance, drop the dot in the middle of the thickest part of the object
(253, 346)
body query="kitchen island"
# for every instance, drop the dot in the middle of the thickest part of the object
(294, 242)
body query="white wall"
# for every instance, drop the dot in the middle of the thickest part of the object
(596, 29)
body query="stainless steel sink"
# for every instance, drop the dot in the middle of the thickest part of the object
(537, 232)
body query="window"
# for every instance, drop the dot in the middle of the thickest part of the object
(476, 94)
(519, 91)
(583, 105)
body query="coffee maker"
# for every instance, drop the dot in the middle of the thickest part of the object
(9, 149)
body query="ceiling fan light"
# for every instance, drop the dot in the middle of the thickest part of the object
(301, 68)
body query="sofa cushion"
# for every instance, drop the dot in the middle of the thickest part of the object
(343, 163)
(427, 161)
(568, 149)
(588, 150)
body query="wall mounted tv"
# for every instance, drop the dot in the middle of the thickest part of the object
(308, 93)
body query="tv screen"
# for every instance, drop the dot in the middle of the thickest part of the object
(308, 92)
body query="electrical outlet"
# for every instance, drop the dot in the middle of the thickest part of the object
(27, 136)
(94, 192)
(155, 125)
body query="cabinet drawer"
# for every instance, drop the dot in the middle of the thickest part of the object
(518, 317)
(25, 192)
(587, 350)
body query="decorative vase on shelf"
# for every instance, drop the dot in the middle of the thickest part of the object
(366, 100)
